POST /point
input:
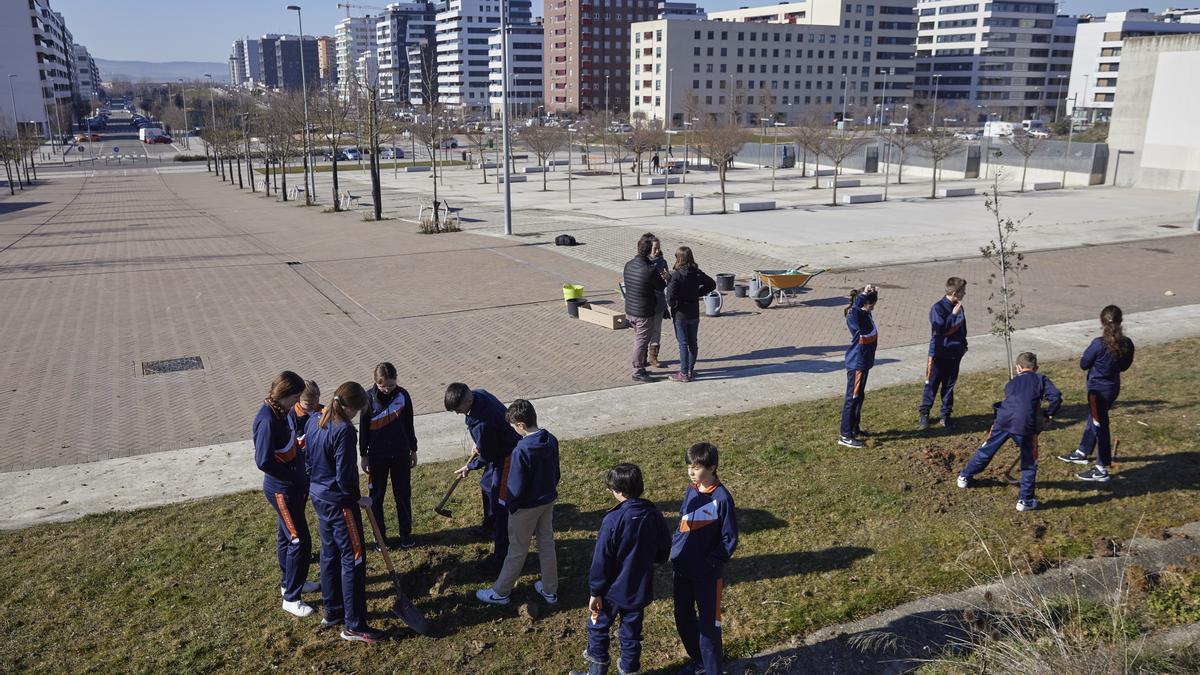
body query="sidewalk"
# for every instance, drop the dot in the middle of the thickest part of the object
(68, 492)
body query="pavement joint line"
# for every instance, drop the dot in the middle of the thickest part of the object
(64, 493)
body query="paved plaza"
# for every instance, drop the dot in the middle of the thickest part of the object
(106, 273)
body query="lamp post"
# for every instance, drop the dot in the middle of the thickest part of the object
(937, 80)
(1061, 97)
(845, 97)
(187, 129)
(687, 134)
(213, 106)
(508, 226)
(775, 152)
(1070, 135)
(304, 92)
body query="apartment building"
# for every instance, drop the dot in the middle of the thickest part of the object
(38, 50)
(777, 62)
(87, 75)
(400, 25)
(1096, 63)
(422, 74)
(237, 64)
(252, 65)
(291, 72)
(524, 70)
(353, 37)
(994, 60)
(327, 59)
(268, 69)
(461, 37)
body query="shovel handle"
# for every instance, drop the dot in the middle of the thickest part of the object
(445, 498)
(387, 558)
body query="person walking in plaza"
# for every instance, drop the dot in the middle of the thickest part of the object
(642, 281)
(388, 445)
(493, 439)
(1104, 360)
(655, 163)
(633, 538)
(687, 285)
(337, 500)
(285, 485)
(1017, 418)
(860, 357)
(947, 345)
(660, 305)
(532, 491)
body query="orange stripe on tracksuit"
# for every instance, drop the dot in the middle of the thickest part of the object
(1092, 408)
(857, 383)
(720, 590)
(356, 541)
(503, 498)
(928, 368)
(281, 502)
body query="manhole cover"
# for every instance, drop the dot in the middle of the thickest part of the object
(172, 365)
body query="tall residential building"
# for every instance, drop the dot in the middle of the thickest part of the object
(353, 37)
(524, 68)
(462, 32)
(422, 74)
(327, 59)
(994, 59)
(401, 24)
(586, 64)
(291, 73)
(87, 75)
(237, 64)
(253, 64)
(1097, 59)
(777, 62)
(680, 10)
(38, 50)
(267, 64)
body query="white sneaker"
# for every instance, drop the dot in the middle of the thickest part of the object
(550, 598)
(309, 587)
(298, 608)
(489, 596)
(1026, 505)
(963, 482)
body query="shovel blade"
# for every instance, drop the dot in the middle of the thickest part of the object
(410, 615)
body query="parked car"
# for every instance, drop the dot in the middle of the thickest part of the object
(352, 154)
(340, 156)
(160, 139)
(966, 135)
(391, 153)
(1039, 133)
(84, 138)
(448, 143)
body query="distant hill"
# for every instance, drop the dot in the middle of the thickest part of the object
(161, 72)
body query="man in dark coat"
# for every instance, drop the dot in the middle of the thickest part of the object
(642, 284)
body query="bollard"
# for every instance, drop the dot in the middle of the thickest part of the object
(687, 205)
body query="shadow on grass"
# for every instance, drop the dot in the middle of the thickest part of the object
(1161, 473)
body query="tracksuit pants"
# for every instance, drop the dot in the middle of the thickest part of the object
(1029, 454)
(293, 543)
(400, 470)
(856, 393)
(629, 635)
(485, 491)
(523, 525)
(499, 517)
(941, 373)
(698, 620)
(343, 563)
(642, 326)
(1097, 431)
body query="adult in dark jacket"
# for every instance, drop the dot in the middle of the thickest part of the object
(687, 285)
(641, 280)
(660, 304)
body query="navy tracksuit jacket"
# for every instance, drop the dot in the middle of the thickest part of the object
(1017, 417)
(387, 439)
(860, 357)
(285, 486)
(1104, 370)
(633, 537)
(495, 440)
(533, 474)
(947, 345)
(705, 541)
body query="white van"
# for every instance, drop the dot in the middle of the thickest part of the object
(998, 129)
(1033, 125)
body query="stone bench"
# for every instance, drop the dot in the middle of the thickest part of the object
(1051, 185)
(487, 165)
(663, 180)
(823, 172)
(513, 179)
(533, 169)
(957, 192)
(842, 182)
(654, 194)
(743, 207)
(415, 169)
(520, 156)
(557, 162)
(862, 199)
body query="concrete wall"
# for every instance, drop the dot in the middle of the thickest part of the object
(1154, 136)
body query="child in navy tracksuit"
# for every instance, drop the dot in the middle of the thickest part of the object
(331, 442)
(1017, 418)
(494, 441)
(705, 541)
(308, 405)
(947, 345)
(1104, 360)
(285, 485)
(532, 490)
(633, 537)
(860, 356)
(388, 445)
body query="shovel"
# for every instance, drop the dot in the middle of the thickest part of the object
(403, 609)
(441, 509)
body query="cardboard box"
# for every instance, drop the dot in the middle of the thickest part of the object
(603, 316)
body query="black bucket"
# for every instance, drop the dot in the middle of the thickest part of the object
(573, 306)
(724, 282)
(740, 290)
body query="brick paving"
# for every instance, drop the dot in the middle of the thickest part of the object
(100, 275)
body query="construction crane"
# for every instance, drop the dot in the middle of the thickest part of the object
(348, 5)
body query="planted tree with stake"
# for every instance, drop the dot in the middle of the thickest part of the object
(477, 140)
(901, 140)
(939, 143)
(810, 134)
(720, 143)
(617, 144)
(647, 136)
(1026, 145)
(839, 145)
(333, 120)
(1007, 262)
(543, 142)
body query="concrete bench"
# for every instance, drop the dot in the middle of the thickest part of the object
(743, 207)
(663, 180)
(862, 199)
(557, 162)
(487, 165)
(533, 169)
(520, 156)
(823, 172)
(654, 194)
(513, 179)
(956, 192)
(415, 169)
(1052, 185)
(842, 182)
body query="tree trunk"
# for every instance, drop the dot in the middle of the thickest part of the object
(900, 168)
(639, 170)
(283, 170)
(544, 172)
(8, 170)
(816, 169)
(721, 174)
(933, 189)
(267, 176)
(836, 166)
(1024, 170)
(621, 179)
(241, 185)
(337, 205)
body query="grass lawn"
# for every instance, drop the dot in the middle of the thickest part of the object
(828, 535)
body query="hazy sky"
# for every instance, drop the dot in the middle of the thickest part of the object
(172, 30)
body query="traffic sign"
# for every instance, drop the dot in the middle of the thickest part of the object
(80, 148)
(116, 149)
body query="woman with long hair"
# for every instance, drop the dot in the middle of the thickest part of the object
(685, 288)
(860, 357)
(1104, 360)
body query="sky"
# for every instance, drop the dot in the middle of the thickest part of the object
(203, 30)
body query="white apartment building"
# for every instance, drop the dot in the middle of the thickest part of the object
(997, 60)
(237, 64)
(776, 62)
(422, 74)
(400, 25)
(525, 44)
(87, 75)
(354, 37)
(38, 51)
(252, 64)
(1097, 57)
(462, 32)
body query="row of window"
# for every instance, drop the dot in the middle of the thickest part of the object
(797, 84)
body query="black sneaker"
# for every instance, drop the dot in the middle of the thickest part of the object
(407, 542)
(326, 622)
(850, 442)
(1077, 457)
(1094, 474)
(923, 421)
(644, 377)
(368, 635)
(860, 433)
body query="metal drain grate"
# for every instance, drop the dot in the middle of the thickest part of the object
(172, 365)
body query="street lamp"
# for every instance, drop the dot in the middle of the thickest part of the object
(1061, 97)
(775, 152)
(1070, 134)
(508, 226)
(187, 129)
(937, 80)
(687, 134)
(212, 104)
(845, 96)
(304, 92)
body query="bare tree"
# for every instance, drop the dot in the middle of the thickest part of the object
(647, 136)
(721, 143)
(939, 142)
(618, 144)
(1026, 145)
(902, 140)
(810, 133)
(1007, 261)
(840, 144)
(478, 140)
(333, 119)
(543, 142)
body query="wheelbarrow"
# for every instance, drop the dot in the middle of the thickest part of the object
(782, 284)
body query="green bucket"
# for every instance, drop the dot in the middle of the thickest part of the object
(572, 292)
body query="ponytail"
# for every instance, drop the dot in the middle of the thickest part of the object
(1114, 337)
(284, 385)
(350, 395)
(868, 298)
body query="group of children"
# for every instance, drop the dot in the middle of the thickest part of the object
(1020, 416)
(307, 453)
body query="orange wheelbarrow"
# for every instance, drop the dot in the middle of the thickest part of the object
(782, 284)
